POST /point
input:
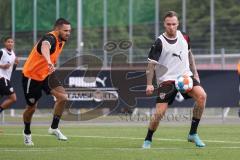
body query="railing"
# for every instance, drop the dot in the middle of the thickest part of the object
(221, 61)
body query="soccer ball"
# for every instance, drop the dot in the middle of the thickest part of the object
(184, 83)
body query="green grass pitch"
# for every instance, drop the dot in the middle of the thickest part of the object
(110, 142)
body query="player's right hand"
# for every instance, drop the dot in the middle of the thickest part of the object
(51, 68)
(149, 90)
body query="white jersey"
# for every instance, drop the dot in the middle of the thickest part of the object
(174, 57)
(7, 58)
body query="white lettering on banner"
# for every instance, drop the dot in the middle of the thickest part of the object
(97, 96)
(90, 89)
(86, 81)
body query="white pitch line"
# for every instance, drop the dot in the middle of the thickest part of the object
(129, 138)
(157, 148)
(31, 149)
(211, 141)
(217, 141)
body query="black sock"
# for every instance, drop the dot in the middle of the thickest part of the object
(55, 121)
(194, 126)
(27, 128)
(149, 135)
(1, 109)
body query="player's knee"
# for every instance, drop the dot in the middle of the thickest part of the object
(62, 98)
(154, 121)
(31, 109)
(158, 116)
(13, 98)
(202, 99)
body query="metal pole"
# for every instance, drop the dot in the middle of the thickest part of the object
(13, 19)
(57, 16)
(184, 15)
(156, 18)
(223, 57)
(57, 9)
(212, 29)
(34, 21)
(3, 117)
(79, 31)
(105, 29)
(130, 7)
(223, 118)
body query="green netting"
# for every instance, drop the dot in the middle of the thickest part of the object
(46, 14)
(24, 15)
(117, 13)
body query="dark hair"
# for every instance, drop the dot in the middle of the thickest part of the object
(60, 22)
(170, 14)
(7, 38)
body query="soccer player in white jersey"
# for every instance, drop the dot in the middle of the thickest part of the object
(170, 56)
(8, 62)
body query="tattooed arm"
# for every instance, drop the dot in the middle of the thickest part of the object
(193, 67)
(150, 75)
(153, 57)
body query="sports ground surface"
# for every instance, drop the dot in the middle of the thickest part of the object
(115, 142)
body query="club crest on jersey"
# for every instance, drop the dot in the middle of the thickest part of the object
(162, 95)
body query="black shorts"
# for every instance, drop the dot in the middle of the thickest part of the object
(33, 89)
(5, 87)
(167, 91)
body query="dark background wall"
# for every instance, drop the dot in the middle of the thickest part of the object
(222, 88)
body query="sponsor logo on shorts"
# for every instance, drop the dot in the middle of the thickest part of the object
(162, 95)
(32, 100)
(11, 89)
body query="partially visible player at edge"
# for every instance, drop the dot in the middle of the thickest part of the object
(172, 50)
(37, 71)
(238, 70)
(8, 63)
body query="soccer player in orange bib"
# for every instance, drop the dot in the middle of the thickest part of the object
(38, 70)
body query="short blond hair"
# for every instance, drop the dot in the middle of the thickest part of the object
(170, 14)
